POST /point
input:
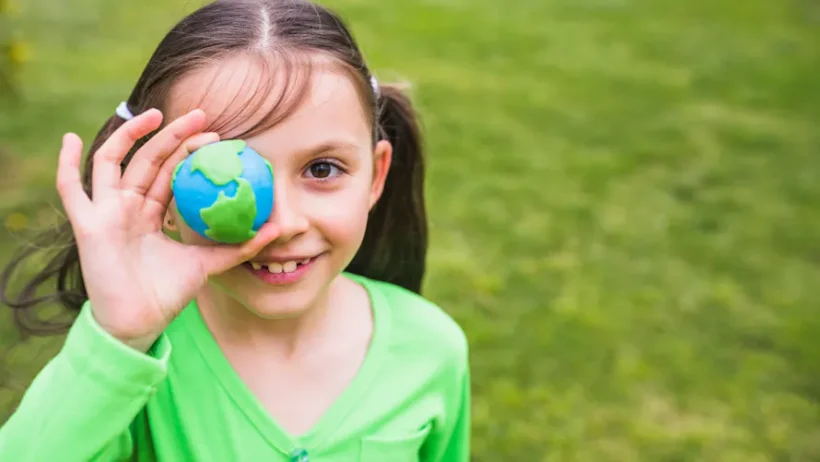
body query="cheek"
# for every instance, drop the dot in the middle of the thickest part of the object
(340, 216)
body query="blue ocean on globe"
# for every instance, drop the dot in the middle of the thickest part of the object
(196, 192)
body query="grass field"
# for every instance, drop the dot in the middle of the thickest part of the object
(624, 196)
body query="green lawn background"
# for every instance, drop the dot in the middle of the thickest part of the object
(624, 198)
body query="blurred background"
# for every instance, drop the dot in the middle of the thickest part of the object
(624, 197)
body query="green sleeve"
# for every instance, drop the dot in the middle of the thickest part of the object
(452, 442)
(80, 406)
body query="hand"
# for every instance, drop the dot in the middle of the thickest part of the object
(138, 279)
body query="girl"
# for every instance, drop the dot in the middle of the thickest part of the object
(307, 343)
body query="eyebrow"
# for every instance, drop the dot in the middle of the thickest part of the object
(328, 145)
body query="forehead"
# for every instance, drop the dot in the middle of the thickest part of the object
(295, 101)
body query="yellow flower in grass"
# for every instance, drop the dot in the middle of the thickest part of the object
(19, 51)
(16, 221)
(8, 8)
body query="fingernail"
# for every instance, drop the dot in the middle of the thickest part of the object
(70, 137)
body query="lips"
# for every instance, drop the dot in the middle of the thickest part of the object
(281, 272)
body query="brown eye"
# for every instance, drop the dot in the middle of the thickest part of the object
(324, 170)
(321, 169)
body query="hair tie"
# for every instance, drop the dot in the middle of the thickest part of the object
(374, 84)
(123, 112)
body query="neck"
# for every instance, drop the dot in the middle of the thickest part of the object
(235, 326)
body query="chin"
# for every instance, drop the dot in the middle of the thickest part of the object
(279, 306)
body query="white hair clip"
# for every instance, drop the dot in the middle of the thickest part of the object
(375, 85)
(123, 112)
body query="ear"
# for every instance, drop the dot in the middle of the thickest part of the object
(169, 224)
(383, 156)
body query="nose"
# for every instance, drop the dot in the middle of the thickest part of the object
(287, 214)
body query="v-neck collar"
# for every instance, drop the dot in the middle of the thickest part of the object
(249, 404)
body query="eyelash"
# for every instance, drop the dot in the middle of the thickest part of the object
(331, 162)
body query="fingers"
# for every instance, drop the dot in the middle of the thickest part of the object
(147, 162)
(160, 193)
(219, 258)
(69, 185)
(107, 172)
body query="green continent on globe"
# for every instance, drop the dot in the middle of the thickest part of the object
(219, 162)
(270, 167)
(230, 219)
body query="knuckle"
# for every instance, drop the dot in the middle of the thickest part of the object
(137, 190)
(103, 156)
(64, 184)
(178, 135)
(155, 162)
(132, 133)
(247, 251)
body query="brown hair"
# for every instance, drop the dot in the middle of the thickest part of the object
(395, 241)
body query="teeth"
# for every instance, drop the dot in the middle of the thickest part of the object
(275, 268)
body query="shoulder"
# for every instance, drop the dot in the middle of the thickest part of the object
(418, 323)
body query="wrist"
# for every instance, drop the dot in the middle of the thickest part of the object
(141, 344)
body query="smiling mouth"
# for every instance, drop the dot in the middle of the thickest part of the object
(281, 273)
(276, 268)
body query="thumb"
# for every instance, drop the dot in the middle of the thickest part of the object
(219, 258)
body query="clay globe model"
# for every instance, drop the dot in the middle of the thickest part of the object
(224, 191)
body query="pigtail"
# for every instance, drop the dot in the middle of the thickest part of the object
(54, 251)
(395, 243)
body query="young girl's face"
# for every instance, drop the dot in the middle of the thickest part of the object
(327, 176)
